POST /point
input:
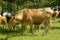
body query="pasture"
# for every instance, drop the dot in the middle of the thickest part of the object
(54, 33)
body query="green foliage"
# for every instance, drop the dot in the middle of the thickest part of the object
(13, 6)
(0, 8)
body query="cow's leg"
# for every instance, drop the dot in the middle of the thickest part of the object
(31, 29)
(5, 24)
(23, 28)
(11, 25)
(36, 27)
(47, 24)
(55, 17)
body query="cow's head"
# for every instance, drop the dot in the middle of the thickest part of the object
(49, 12)
(11, 21)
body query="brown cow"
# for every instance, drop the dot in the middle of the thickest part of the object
(33, 16)
(3, 21)
(56, 13)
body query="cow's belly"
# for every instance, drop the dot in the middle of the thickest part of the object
(38, 20)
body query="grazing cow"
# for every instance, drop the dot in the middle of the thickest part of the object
(32, 16)
(3, 21)
(56, 13)
(11, 22)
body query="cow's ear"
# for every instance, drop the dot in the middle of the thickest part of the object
(13, 17)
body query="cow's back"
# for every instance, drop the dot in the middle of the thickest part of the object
(37, 16)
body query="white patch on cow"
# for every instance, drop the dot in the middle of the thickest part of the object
(6, 14)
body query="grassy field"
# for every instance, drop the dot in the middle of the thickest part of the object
(54, 34)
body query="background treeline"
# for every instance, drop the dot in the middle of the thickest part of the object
(13, 6)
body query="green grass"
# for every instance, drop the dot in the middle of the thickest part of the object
(54, 34)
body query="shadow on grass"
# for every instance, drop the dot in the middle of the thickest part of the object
(52, 19)
(9, 36)
(3, 31)
(13, 33)
(58, 21)
(51, 28)
(9, 33)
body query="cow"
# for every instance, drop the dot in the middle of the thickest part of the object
(32, 17)
(3, 21)
(4, 18)
(56, 13)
